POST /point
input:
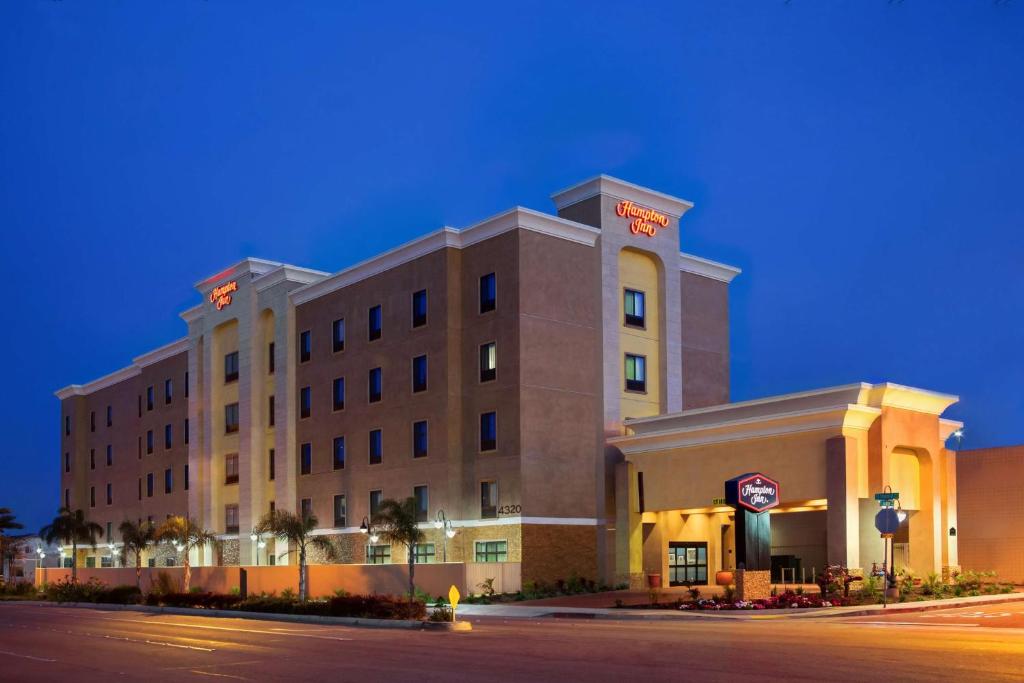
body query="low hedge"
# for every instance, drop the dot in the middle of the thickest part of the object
(93, 591)
(198, 600)
(357, 606)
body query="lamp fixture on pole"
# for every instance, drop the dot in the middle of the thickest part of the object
(441, 521)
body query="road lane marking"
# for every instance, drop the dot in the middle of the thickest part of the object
(908, 623)
(210, 673)
(229, 628)
(183, 647)
(34, 659)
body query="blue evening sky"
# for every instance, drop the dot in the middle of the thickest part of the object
(861, 161)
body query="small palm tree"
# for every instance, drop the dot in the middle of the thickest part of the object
(186, 535)
(395, 521)
(298, 532)
(7, 522)
(72, 527)
(136, 537)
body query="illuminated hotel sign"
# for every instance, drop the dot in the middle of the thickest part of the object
(221, 296)
(645, 221)
(757, 492)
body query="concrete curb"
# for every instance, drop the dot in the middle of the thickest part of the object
(440, 626)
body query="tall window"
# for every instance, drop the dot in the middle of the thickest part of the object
(376, 447)
(168, 481)
(231, 468)
(231, 418)
(67, 421)
(636, 373)
(110, 496)
(168, 436)
(488, 361)
(110, 455)
(149, 485)
(419, 374)
(339, 452)
(375, 382)
(140, 405)
(270, 465)
(492, 551)
(231, 367)
(67, 498)
(271, 362)
(67, 462)
(419, 308)
(92, 421)
(378, 554)
(634, 308)
(270, 411)
(305, 402)
(186, 384)
(374, 323)
(306, 508)
(488, 293)
(168, 391)
(110, 416)
(231, 519)
(92, 458)
(149, 398)
(422, 502)
(186, 477)
(305, 346)
(92, 496)
(419, 439)
(185, 430)
(338, 334)
(488, 431)
(305, 458)
(488, 499)
(340, 511)
(376, 497)
(339, 393)
(149, 442)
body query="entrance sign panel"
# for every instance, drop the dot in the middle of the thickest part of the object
(755, 492)
(753, 495)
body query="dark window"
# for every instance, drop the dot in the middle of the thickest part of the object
(140, 488)
(488, 361)
(110, 501)
(375, 381)
(149, 442)
(231, 468)
(186, 477)
(640, 491)
(149, 485)
(185, 430)
(231, 367)
(340, 511)
(305, 346)
(422, 502)
(270, 410)
(92, 458)
(376, 446)
(110, 416)
(92, 421)
(378, 554)
(338, 335)
(92, 496)
(305, 401)
(305, 458)
(376, 497)
(168, 391)
(110, 455)
(231, 519)
(374, 323)
(271, 464)
(636, 373)
(67, 498)
(168, 436)
(419, 308)
(634, 308)
(687, 563)
(488, 431)
(140, 448)
(488, 293)
(491, 551)
(419, 439)
(140, 405)
(339, 452)
(186, 384)
(339, 393)
(67, 462)
(488, 499)
(67, 420)
(306, 508)
(231, 418)
(168, 481)
(149, 398)
(423, 553)
(270, 358)
(419, 374)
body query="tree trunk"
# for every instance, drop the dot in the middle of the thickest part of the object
(74, 561)
(138, 570)
(412, 571)
(188, 572)
(302, 574)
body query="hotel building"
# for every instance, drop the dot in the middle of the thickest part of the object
(556, 385)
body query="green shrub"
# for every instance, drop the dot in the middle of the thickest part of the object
(17, 589)
(122, 595)
(729, 593)
(442, 613)
(869, 588)
(164, 583)
(197, 600)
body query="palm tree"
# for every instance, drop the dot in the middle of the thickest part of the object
(7, 522)
(135, 538)
(395, 522)
(298, 532)
(72, 527)
(186, 535)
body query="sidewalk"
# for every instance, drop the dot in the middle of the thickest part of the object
(626, 614)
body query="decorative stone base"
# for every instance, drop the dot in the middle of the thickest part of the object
(753, 584)
(949, 572)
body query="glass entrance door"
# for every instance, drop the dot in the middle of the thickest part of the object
(687, 564)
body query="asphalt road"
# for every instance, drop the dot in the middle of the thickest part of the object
(51, 643)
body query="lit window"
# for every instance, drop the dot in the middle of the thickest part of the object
(419, 439)
(306, 508)
(305, 346)
(374, 323)
(488, 293)
(419, 308)
(339, 393)
(636, 373)
(419, 374)
(231, 468)
(376, 497)
(376, 447)
(375, 382)
(231, 367)
(422, 502)
(305, 402)
(231, 519)
(423, 553)
(488, 361)
(378, 554)
(634, 308)
(492, 551)
(231, 418)
(488, 499)
(340, 511)
(338, 334)
(306, 458)
(488, 431)
(339, 452)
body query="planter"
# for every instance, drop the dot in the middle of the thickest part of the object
(654, 580)
(724, 578)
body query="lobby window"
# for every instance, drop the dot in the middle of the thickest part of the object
(110, 416)
(488, 293)
(633, 305)
(184, 430)
(419, 308)
(168, 481)
(168, 391)
(636, 373)
(305, 402)
(687, 563)
(305, 458)
(270, 465)
(67, 462)
(231, 519)
(423, 553)
(340, 511)
(92, 458)
(270, 358)
(306, 508)
(110, 494)
(374, 384)
(149, 442)
(376, 446)
(92, 420)
(168, 436)
(231, 468)
(339, 393)
(339, 452)
(488, 500)
(186, 478)
(374, 323)
(419, 374)
(149, 485)
(378, 554)
(110, 455)
(149, 398)
(488, 431)
(491, 551)
(270, 411)
(422, 502)
(305, 346)
(231, 367)
(231, 418)
(338, 335)
(419, 439)
(376, 498)
(488, 361)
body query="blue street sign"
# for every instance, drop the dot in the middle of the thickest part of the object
(887, 521)
(887, 496)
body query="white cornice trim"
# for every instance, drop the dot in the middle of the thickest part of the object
(192, 314)
(474, 523)
(149, 358)
(518, 217)
(255, 266)
(614, 187)
(162, 353)
(286, 273)
(688, 263)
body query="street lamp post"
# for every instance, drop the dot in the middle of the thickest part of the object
(442, 522)
(257, 538)
(42, 555)
(367, 528)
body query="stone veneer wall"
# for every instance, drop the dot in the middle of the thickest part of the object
(753, 584)
(558, 552)
(351, 548)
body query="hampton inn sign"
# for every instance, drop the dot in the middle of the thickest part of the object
(645, 221)
(221, 296)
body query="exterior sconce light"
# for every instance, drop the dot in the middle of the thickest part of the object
(367, 528)
(952, 531)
